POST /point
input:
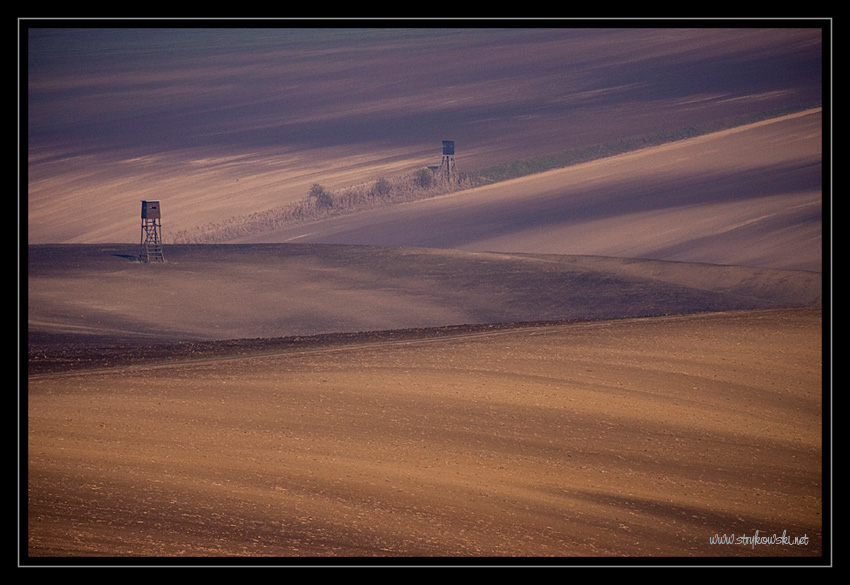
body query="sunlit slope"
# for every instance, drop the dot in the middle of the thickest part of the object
(639, 437)
(248, 291)
(750, 196)
(220, 129)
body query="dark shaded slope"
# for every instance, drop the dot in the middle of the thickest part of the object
(99, 296)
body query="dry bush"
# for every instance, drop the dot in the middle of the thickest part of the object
(323, 203)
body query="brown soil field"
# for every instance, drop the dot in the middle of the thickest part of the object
(99, 296)
(618, 361)
(232, 403)
(641, 438)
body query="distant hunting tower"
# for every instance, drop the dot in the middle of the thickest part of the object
(447, 167)
(151, 232)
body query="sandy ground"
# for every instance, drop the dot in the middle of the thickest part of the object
(640, 437)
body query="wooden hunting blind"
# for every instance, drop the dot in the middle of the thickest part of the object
(150, 210)
(151, 232)
(447, 167)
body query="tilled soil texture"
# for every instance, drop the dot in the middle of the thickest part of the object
(610, 439)
(70, 355)
(96, 305)
(253, 118)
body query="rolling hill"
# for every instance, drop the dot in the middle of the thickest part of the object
(618, 359)
(752, 196)
(101, 294)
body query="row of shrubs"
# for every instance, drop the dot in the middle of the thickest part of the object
(322, 202)
(424, 183)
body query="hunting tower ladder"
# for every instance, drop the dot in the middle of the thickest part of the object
(151, 232)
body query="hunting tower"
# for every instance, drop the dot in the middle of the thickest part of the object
(447, 168)
(151, 232)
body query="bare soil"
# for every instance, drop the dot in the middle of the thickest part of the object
(250, 126)
(85, 299)
(164, 421)
(621, 360)
(626, 438)
(749, 196)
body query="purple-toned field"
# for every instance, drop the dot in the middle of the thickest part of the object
(217, 123)
(749, 196)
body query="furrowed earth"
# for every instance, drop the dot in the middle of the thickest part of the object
(545, 432)
(621, 359)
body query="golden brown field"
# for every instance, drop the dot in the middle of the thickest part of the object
(636, 437)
